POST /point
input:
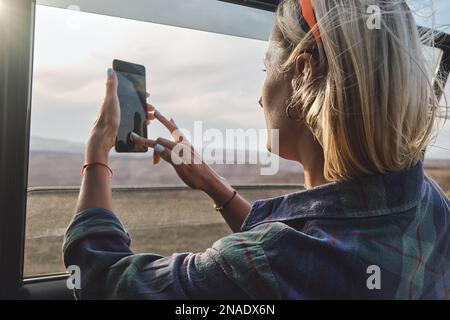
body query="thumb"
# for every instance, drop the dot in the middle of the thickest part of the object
(111, 83)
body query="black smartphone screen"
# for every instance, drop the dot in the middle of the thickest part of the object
(133, 105)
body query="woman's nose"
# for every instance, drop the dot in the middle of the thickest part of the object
(260, 102)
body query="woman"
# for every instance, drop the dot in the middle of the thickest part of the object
(354, 106)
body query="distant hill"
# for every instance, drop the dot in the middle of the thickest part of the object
(58, 162)
(54, 145)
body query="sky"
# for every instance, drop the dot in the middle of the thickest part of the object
(191, 75)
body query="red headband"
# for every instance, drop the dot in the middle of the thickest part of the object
(308, 14)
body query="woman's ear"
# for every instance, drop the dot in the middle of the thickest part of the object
(305, 66)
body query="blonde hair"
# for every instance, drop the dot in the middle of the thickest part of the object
(371, 104)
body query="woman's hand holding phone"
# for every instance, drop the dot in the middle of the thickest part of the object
(103, 134)
(104, 131)
(95, 189)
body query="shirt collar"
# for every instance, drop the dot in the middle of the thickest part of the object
(367, 196)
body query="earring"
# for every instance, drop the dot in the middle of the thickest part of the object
(287, 111)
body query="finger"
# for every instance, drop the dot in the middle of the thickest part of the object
(177, 135)
(142, 141)
(166, 143)
(163, 152)
(168, 155)
(165, 122)
(150, 117)
(156, 157)
(150, 114)
(111, 83)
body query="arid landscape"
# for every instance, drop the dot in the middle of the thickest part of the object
(439, 171)
(160, 221)
(161, 215)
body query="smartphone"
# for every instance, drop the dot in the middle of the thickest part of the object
(133, 105)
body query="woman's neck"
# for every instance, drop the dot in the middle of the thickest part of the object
(313, 176)
(311, 157)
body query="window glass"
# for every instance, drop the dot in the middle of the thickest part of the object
(435, 14)
(203, 80)
(440, 148)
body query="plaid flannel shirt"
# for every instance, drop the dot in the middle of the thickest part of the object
(315, 244)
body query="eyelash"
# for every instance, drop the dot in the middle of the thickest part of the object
(264, 70)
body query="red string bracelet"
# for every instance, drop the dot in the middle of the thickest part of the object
(90, 164)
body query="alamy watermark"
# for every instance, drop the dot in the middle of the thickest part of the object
(234, 146)
(374, 280)
(374, 20)
(74, 279)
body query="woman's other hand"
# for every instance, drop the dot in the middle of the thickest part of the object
(179, 152)
(190, 167)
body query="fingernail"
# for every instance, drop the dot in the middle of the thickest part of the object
(134, 135)
(159, 148)
(110, 72)
(156, 112)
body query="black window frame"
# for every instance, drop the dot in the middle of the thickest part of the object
(16, 66)
(16, 57)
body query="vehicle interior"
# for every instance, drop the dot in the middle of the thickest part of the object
(41, 80)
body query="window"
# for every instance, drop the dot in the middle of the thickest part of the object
(440, 148)
(192, 75)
